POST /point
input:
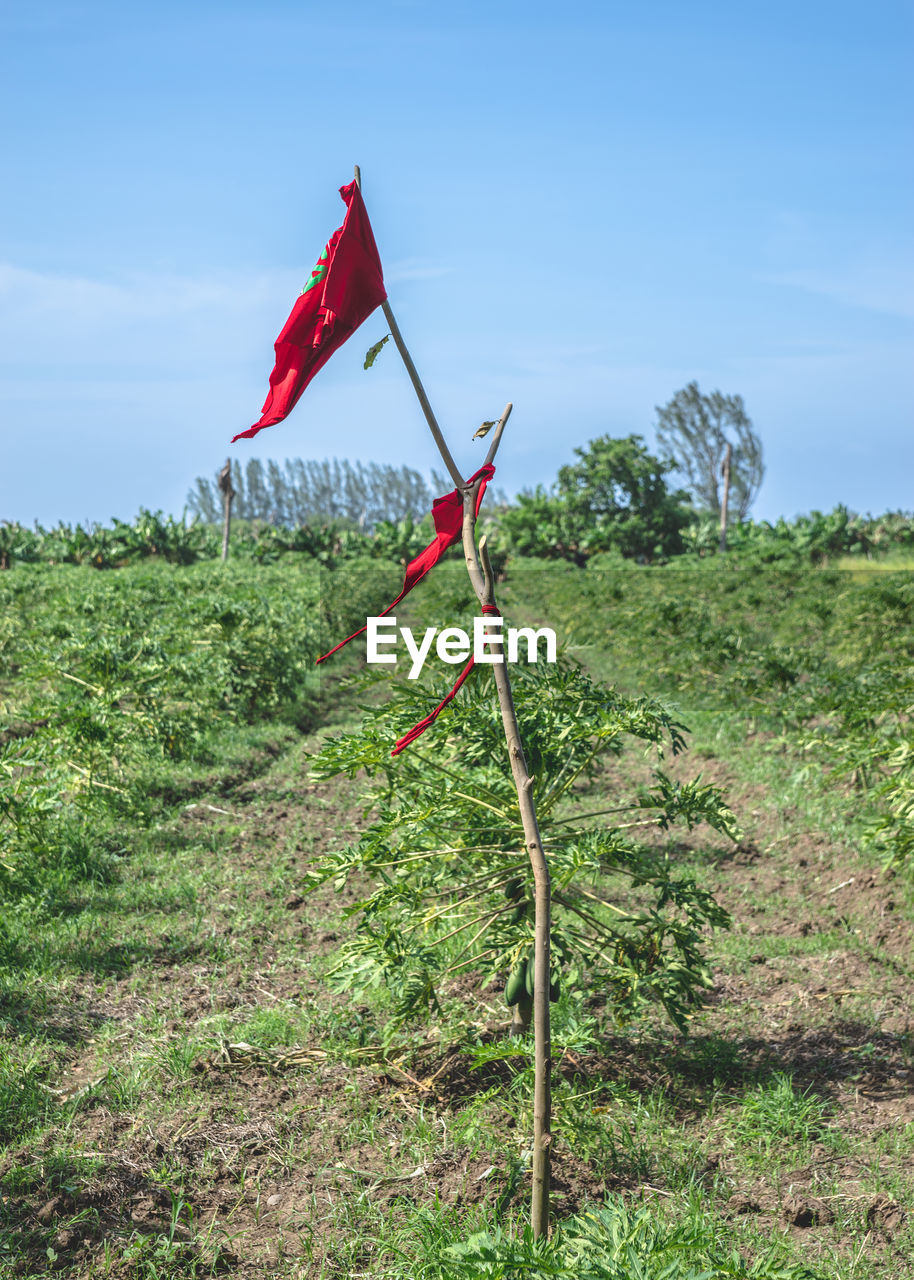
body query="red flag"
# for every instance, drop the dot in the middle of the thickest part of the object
(345, 287)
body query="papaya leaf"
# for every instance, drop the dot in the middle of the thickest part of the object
(373, 352)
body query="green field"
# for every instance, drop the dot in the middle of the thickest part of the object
(196, 1077)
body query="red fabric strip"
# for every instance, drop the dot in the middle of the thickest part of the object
(418, 729)
(447, 514)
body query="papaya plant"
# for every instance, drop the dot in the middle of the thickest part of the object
(449, 884)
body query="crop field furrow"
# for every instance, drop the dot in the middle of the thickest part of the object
(205, 1068)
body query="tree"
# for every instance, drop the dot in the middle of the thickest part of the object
(694, 430)
(614, 498)
(618, 490)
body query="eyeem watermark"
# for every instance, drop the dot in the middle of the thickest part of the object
(454, 645)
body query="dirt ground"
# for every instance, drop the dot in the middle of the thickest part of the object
(267, 1151)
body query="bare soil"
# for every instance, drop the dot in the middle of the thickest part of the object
(265, 1147)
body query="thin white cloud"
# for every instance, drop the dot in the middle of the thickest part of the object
(884, 287)
(145, 321)
(150, 319)
(35, 293)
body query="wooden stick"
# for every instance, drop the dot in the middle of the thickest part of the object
(430, 418)
(482, 578)
(497, 434)
(423, 399)
(726, 498)
(225, 484)
(479, 568)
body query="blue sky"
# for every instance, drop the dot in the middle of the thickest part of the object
(579, 210)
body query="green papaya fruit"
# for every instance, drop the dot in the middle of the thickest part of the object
(518, 913)
(529, 974)
(514, 987)
(514, 889)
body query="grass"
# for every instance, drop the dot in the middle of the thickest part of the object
(137, 1142)
(775, 1114)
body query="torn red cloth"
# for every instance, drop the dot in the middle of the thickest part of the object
(345, 287)
(418, 729)
(447, 514)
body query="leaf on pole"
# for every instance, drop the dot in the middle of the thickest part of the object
(483, 430)
(373, 352)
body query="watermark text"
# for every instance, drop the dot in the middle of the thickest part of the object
(452, 644)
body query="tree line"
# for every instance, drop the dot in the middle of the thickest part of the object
(309, 492)
(617, 495)
(616, 499)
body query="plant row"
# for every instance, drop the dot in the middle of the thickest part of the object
(822, 661)
(534, 527)
(110, 682)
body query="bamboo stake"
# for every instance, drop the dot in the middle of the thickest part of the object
(479, 569)
(542, 1035)
(225, 485)
(726, 498)
(423, 399)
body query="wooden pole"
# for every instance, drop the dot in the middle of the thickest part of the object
(423, 399)
(479, 569)
(726, 498)
(225, 485)
(483, 581)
